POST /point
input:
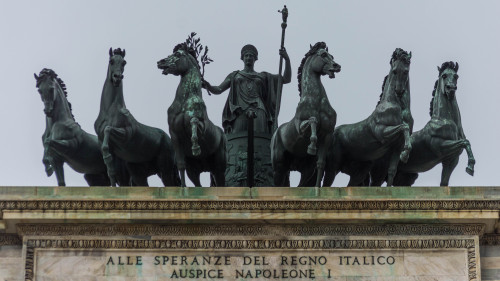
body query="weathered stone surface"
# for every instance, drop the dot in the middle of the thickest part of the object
(254, 265)
(428, 231)
(11, 263)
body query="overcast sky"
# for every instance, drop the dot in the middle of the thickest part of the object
(73, 39)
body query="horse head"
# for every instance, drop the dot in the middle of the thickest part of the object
(400, 66)
(116, 66)
(178, 63)
(47, 86)
(322, 62)
(448, 77)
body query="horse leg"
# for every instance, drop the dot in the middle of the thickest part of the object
(391, 132)
(64, 146)
(332, 163)
(166, 164)
(320, 163)
(307, 176)
(47, 162)
(96, 179)
(179, 158)
(195, 122)
(405, 154)
(279, 161)
(138, 174)
(194, 176)
(359, 173)
(106, 151)
(449, 165)
(405, 179)
(393, 166)
(472, 161)
(59, 170)
(312, 122)
(218, 173)
(453, 147)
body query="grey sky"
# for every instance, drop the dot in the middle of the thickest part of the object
(73, 38)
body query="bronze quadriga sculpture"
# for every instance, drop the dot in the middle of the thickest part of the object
(302, 143)
(383, 138)
(144, 150)
(199, 145)
(442, 140)
(64, 141)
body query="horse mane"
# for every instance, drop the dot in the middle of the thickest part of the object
(49, 73)
(398, 54)
(184, 46)
(446, 65)
(383, 86)
(313, 50)
(118, 52)
(402, 55)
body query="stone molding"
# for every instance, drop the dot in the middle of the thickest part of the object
(248, 230)
(248, 205)
(251, 244)
(7, 239)
(490, 240)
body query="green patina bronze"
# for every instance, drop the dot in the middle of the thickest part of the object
(252, 94)
(64, 141)
(442, 140)
(143, 150)
(381, 140)
(200, 146)
(302, 143)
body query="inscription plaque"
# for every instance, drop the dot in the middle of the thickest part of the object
(344, 260)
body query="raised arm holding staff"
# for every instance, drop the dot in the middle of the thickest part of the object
(284, 14)
(250, 90)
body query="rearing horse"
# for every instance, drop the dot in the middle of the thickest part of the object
(442, 140)
(385, 134)
(145, 150)
(308, 135)
(64, 141)
(199, 144)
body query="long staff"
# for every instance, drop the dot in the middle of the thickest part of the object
(284, 14)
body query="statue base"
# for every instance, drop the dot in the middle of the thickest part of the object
(341, 234)
(236, 171)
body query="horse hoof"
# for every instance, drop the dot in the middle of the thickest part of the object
(49, 171)
(469, 171)
(404, 156)
(311, 150)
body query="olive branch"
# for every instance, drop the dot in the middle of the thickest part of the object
(194, 44)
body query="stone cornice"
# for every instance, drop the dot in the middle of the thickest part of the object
(249, 205)
(7, 239)
(490, 240)
(248, 229)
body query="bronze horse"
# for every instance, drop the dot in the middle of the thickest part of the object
(199, 144)
(297, 144)
(384, 137)
(64, 141)
(144, 150)
(442, 140)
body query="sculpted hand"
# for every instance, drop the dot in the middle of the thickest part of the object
(206, 85)
(284, 54)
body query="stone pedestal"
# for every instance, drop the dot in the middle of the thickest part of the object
(345, 234)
